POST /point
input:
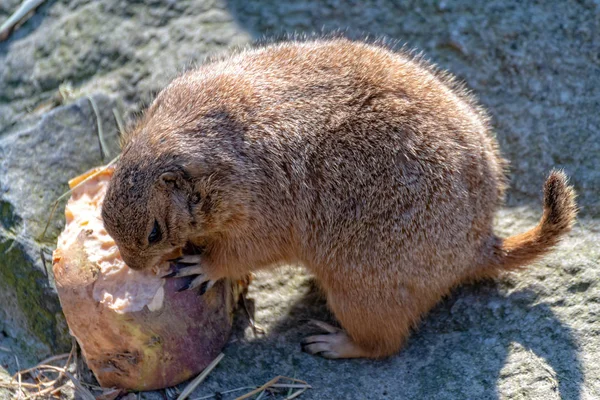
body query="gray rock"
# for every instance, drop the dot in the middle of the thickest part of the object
(534, 65)
(35, 164)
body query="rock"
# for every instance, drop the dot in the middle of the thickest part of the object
(534, 65)
(35, 164)
(99, 45)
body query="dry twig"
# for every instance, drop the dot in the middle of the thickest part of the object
(302, 385)
(104, 152)
(194, 384)
(119, 120)
(24, 9)
(42, 385)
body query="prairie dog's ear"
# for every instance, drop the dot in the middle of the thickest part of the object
(171, 180)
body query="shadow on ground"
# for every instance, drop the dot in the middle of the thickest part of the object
(461, 350)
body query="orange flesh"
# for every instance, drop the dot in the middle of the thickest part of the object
(117, 286)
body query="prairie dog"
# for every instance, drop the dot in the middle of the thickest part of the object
(376, 172)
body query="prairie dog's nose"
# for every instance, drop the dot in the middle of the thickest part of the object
(133, 262)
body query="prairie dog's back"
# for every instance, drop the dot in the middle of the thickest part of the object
(318, 83)
(352, 139)
(374, 136)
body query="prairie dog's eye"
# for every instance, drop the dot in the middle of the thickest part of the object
(155, 234)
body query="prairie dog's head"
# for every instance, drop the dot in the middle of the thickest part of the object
(183, 176)
(147, 211)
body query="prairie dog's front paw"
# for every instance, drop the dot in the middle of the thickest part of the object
(185, 266)
(190, 265)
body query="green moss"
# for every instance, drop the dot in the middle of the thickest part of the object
(8, 219)
(40, 307)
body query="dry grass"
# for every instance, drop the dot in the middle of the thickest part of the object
(46, 380)
(291, 389)
(302, 387)
(194, 383)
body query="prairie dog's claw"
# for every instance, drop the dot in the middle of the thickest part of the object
(205, 286)
(324, 326)
(189, 259)
(190, 265)
(184, 266)
(334, 344)
(184, 270)
(199, 281)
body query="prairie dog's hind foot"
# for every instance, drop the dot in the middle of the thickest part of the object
(190, 265)
(334, 344)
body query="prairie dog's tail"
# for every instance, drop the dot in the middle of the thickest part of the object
(559, 214)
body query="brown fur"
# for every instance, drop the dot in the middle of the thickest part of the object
(370, 168)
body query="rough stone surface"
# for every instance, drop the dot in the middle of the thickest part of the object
(534, 65)
(35, 165)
